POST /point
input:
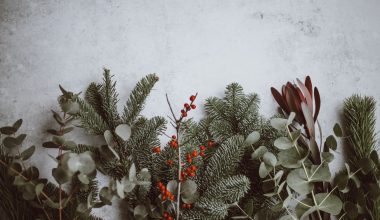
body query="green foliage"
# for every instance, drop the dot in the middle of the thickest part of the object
(129, 138)
(359, 128)
(303, 181)
(136, 101)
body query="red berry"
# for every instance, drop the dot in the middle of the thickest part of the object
(166, 214)
(202, 154)
(170, 218)
(192, 98)
(210, 143)
(195, 153)
(192, 174)
(193, 106)
(188, 206)
(184, 114)
(164, 197)
(202, 148)
(156, 149)
(186, 105)
(184, 205)
(183, 111)
(174, 137)
(188, 156)
(189, 160)
(169, 162)
(193, 167)
(172, 197)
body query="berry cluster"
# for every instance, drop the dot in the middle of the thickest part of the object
(173, 143)
(187, 107)
(165, 193)
(167, 216)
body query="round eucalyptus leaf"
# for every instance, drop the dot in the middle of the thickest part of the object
(259, 152)
(129, 186)
(190, 198)
(132, 173)
(172, 186)
(124, 131)
(39, 188)
(120, 188)
(290, 158)
(106, 195)
(8, 130)
(14, 169)
(58, 140)
(28, 191)
(270, 159)
(264, 170)
(50, 144)
(283, 143)
(318, 173)
(291, 117)
(83, 178)
(305, 208)
(69, 145)
(366, 165)
(10, 142)
(19, 181)
(338, 130)
(140, 212)
(31, 173)
(17, 124)
(327, 156)
(61, 175)
(144, 174)
(341, 180)
(279, 123)
(189, 187)
(252, 138)
(329, 203)
(109, 138)
(331, 142)
(26, 154)
(108, 152)
(297, 180)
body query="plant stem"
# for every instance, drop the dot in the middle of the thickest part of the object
(25, 178)
(59, 156)
(242, 210)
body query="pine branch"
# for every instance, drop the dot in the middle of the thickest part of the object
(143, 139)
(93, 97)
(109, 100)
(137, 98)
(224, 161)
(91, 121)
(360, 121)
(230, 189)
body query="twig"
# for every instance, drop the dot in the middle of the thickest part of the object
(170, 106)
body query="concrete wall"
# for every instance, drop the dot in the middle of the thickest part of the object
(193, 46)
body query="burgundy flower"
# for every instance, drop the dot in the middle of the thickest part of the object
(300, 100)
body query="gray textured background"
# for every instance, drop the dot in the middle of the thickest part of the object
(193, 45)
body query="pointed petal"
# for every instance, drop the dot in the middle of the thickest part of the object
(309, 85)
(281, 102)
(309, 100)
(317, 99)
